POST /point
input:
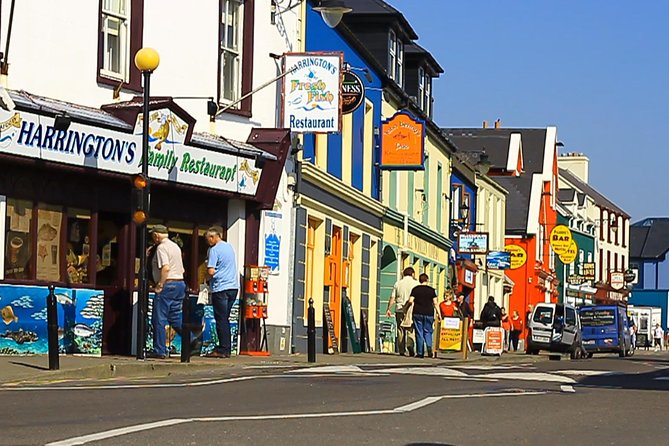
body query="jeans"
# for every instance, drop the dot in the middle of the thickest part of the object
(222, 302)
(424, 327)
(167, 306)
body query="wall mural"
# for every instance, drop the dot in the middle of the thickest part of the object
(23, 330)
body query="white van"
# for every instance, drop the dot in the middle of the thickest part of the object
(555, 328)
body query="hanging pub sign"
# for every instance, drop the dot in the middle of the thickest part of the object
(617, 280)
(568, 256)
(311, 100)
(402, 142)
(498, 260)
(518, 255)
(588, 271)
(473, 243)
(352, 92)
(560, 239)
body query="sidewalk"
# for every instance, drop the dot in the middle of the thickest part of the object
(16, 370)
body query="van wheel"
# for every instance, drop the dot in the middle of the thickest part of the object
(590, 355)
(575, 352)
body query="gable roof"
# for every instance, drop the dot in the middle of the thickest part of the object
(415, 50)
(597, 197)
(566, 195)
(649, 239)
(365, 8)
(517, 202)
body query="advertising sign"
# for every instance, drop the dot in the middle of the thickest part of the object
(402, 142)
(498, 260)
(518, 256)
(588, 271)
(617, 279)
(352, 92)
(272, 237)
(569, 255)
(575, 279)
(494, 341)
(473, 242)
(312, 92)
(560, 239)
(450, 335)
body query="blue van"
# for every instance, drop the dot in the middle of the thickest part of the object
(606, 329)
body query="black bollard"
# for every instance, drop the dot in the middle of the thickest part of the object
(52, 328)
(311, 331)
(185, 330)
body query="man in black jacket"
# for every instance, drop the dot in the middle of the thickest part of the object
(491, 315)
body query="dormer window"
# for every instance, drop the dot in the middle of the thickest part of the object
(424, 91)
(395, 58)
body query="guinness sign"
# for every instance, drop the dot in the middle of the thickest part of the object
(353, 92)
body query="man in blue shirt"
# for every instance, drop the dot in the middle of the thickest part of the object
(224, 284)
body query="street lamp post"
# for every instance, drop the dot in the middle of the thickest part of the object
(146, 61)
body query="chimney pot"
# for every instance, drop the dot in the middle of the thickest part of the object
(485, 124)
(498, 123)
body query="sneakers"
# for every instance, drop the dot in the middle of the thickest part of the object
(217, 354)
(153, 355)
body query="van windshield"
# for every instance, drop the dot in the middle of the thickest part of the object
(543, 315)
(595, 317)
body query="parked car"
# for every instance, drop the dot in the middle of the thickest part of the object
(555, 328)
(606, 329)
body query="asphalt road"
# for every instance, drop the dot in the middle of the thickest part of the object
(604, 400)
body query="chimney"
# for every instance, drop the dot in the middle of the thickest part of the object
(498, 123)
(485, 124)
(576, 163)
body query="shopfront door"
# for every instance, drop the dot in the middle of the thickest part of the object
(335, 296)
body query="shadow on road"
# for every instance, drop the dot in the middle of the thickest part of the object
(631, 381)
(32, 366)
(429, 444)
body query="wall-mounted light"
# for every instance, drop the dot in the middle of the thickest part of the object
(613, 224)
(331, 11)
(464, 212)
(62, 122)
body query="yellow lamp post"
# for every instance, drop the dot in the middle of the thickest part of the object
(146, 61)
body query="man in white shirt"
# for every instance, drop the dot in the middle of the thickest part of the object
(658, 334)
(399, 297)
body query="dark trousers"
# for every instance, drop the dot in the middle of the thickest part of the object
(515, 335)
(222, 302)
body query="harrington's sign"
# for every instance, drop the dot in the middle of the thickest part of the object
(402, 142)
(312, 92)
(170, 159)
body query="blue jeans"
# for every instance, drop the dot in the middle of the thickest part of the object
(167, 306)
(222, 302)
(424, 327)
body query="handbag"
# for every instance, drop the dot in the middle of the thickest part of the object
(407, 322)
(204, 296)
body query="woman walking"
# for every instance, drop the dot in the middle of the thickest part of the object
(516, 329)
(506, 326)
(425, 306)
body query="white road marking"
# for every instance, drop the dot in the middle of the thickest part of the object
(568, 389)
(171, 422)
(588, 372)
(330, 369)
(490, 367)
(432, 371)
(530, 376)
(662, 378)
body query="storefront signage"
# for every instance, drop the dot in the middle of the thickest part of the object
(402, 142)
(568, 256)
(312, 92)
(617, 280)
(450, 334)
(560, 239)
(498, 260)
(518, 256)
(588, 271)
(473, 242)
(272, 236)
(575, 279)
(170, 159)
(352, 92)
(494, 341)
(630, 275)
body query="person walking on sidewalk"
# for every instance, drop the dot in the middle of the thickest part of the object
(516, 329)
(168, 271)
(399, 297)
(506, 326)
(424, 300)
(658, 334)
(224, 284)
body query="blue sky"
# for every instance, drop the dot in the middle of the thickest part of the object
(596, 69)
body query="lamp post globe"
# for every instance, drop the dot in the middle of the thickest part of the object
(147, 60)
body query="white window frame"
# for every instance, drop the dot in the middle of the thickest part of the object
(123, 17)
(421, 88)
(428, 96)
(392, 53)
(231, 52)
(399, 69)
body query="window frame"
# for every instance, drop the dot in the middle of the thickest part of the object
(132, 80)
(421, 88)
(246, 37)
(392, 53)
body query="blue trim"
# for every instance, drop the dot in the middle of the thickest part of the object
(358, 156)
(335, 155)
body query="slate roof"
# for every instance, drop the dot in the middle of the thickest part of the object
(517, 202)
(419, 51)
(649, 239)
(377, 7)
(598, 198)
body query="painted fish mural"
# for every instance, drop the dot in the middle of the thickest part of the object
(83, 330)
(8, 315)
(64, 299)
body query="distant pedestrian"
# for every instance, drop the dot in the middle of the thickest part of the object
(224, 284)
(424, 300)
(658, 334)
(398, 298)
(463, 310)
(170, 289)
(447, 307)
(491, 314)
(516, 329)
(506, 326)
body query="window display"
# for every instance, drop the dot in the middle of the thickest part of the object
(78, 246)
(49, 221)
(18, 249)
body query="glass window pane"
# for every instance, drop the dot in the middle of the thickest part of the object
(49, 227)
(114, 6)
(229, 73)
(78, 246)
(106, 251)
(18, 252)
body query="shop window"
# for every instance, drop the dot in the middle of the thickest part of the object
(119, 39)
(19, 242)
(107, 250)
(182, 235)
(78, 246)
(49, 231)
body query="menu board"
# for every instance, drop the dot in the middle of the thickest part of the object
(48, 244)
